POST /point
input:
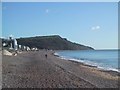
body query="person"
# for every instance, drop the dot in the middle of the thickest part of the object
(46, 55)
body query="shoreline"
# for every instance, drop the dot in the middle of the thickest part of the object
(87, 64)
(33, 70)
(114, 73)
(99, 71)
(111, 72)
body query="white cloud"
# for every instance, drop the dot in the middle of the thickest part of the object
(47, 10)
(95, 27)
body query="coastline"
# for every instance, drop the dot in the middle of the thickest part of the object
(90, 64)
(33, 70)
(111, 72)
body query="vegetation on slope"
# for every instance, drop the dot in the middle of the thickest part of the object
(54, 42)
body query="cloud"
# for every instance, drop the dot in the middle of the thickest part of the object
(47, 10)
(95, 27)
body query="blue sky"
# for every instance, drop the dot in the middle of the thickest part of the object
(89, 23)
(60, 0)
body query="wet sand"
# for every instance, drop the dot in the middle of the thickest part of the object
(33, 70)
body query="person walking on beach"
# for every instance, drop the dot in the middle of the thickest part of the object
(46, 56)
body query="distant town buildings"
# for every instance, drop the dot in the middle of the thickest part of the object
(13, 45)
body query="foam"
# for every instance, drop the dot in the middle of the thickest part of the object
(99, 66)
(56, 54)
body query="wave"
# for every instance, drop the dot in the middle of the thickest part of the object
(56, 54)
(87, 62)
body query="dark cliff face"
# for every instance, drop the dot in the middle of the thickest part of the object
(54, 42)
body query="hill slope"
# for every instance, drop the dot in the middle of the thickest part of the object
(54, 42)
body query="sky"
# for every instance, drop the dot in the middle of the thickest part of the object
(60, 0)
(93, 24)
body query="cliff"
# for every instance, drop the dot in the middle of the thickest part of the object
(54, 42)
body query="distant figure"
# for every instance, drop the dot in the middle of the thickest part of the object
(46, 56)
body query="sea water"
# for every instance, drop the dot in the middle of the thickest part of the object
(103, 59)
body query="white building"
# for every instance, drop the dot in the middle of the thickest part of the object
(15, 44)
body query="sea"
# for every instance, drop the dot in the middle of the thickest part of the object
(102, 59)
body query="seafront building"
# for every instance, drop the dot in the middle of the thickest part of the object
(11, 47)
(12, 44)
